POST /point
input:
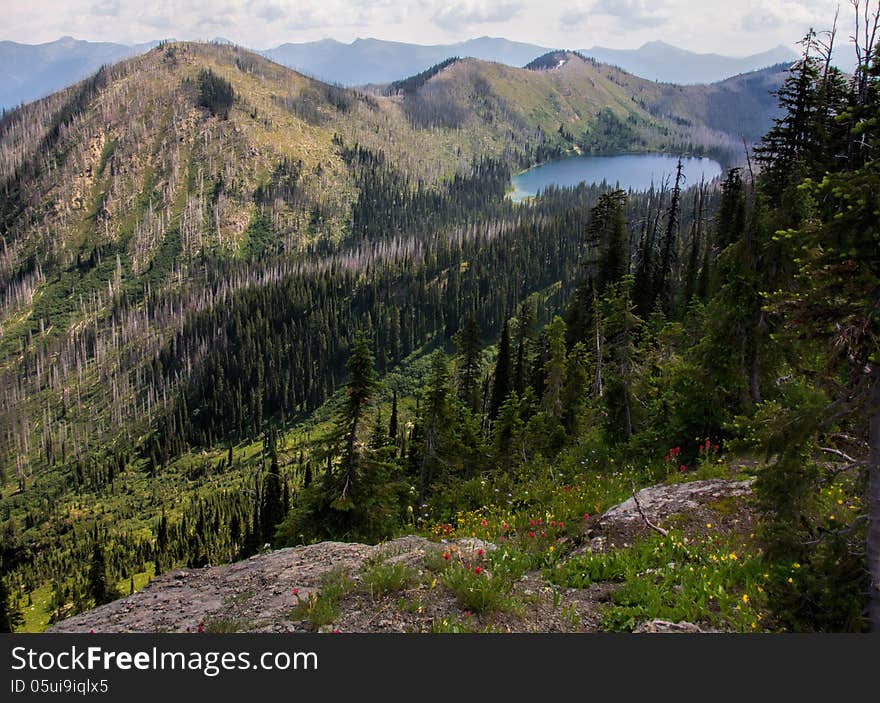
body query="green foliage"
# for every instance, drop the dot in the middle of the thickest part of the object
(475, 589)
(712, 581)
(609, 134)
(215, 93)
(261, 239)
(383, 578)
(321, 608)
(10, 615)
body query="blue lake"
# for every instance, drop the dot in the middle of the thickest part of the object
(629, 171)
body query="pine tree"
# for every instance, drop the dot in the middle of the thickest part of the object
(832, 310)
(664, 286)
(501, 379)
(10, 616)
(272, 507)
(435, 416)
(621, 328)
(469, 364)
(99, 589)
(523, 340)
(555, 368)
(360, 389)
(608, 228)
(392, 421)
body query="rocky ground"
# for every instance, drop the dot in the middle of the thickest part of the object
(260, 594)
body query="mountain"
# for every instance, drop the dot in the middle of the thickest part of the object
(30, 71)
(193, 237)
(375, 61)
(659, 61)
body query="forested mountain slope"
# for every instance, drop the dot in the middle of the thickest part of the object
(201, 245)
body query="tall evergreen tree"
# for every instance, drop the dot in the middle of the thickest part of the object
(501, 379)
(359, 392)
(523, 338)
(10, 616)
(100, 590)
(664, 286)
(469, 360)
(392, 421)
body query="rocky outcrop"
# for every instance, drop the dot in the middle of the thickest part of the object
(664, 500)
(260, 594)
(256, 594)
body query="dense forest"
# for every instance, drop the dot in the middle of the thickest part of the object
(450, 362)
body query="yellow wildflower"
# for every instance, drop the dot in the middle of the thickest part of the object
(745, 597)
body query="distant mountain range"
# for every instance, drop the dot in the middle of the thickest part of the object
(659, 61)
(30, 71)
(376, 61)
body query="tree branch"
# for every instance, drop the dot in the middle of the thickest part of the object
(837, 452)
(650, 524)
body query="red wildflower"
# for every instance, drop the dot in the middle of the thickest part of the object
(484, 522)
(477, 570)
(531, 533)
(446, 556)
(480, 552)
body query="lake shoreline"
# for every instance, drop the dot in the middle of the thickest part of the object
(636, 171)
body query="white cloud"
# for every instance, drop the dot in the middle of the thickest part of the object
(467, 14)
(724, 26)
(632, 13)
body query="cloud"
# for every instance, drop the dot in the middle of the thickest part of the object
(628, 14)
(632, 13)
(573, 19)
(266, 10)
(469, 13)
(107, 8)
(760, 20)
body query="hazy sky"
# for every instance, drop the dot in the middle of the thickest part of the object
(735, 27)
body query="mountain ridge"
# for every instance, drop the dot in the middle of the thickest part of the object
(30, 71)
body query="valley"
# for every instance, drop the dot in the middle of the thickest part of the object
(243, 309)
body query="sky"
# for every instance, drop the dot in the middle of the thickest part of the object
(732, 27)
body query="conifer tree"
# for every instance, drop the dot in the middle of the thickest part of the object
(469, 364)
(501, 380)
(100, 590)
(392, 421)
(10, 616)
